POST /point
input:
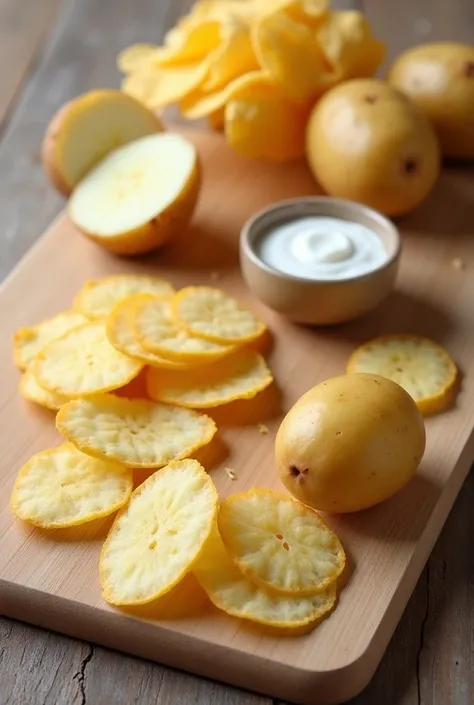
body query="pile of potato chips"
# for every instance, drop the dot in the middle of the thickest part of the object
(253, 67)
(191, 350)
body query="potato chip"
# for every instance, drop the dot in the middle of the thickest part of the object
(83, 362)
(191, 44)
(279, 542)
(349, 46)
(28, 341)
(233, 58)
(30, 389)
(214, 315)
(158, 87)
(260, 121)
(137, 57)
(63, 487)
(240, 376)
(157, 331)
(289, 51)
(423, 368)
(230, 591)
(156, 539)
(98, 297)
(199, 103)
(136, 433)
(121, 334)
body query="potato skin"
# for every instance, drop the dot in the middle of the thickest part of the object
(350, 443)
(48, 159)
(439, 78)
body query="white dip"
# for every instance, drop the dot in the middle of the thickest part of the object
(315, 247)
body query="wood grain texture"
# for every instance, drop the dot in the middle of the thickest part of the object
(429, 660)
(387, 546)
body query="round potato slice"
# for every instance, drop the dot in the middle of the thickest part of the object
(140, 195)
(240, 376)
(121, 334)
(98, 297)
(28, 341)
(30, 389)
(229, 590)
(279, 542)
(83, 362)
(156, 539)
(214, 315)
(136, 433)
(86, 129)
(63, 487)
(422, 367)
(158, 332)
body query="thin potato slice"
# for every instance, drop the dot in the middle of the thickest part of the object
(136, 433)
(279, 542)
(156, 539)
(214, 315)
(240, 376)
(63, 487)
(422, 367)
(158, 332)
(83, 362)
(121, 334)
(28, 341)
(158, 87)
(230, 591)
(33, 391)
(98, 297)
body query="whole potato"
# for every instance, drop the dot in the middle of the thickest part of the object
(439, 78)
(368, 142)
(350, 443)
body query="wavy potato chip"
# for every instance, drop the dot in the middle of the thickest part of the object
(422, 367)
(31, 389)
(83, 362)
(240, 376)
(233, 58)
(158, 87)
(98, 297)
(121, 334)
(214, 315)
(29, 341)
(191, 43)
(137, 57)
(229, 590)
(260, 121)
(63, 487)
(280, 543)
(157, 331)
(136, 433)
(156, 539)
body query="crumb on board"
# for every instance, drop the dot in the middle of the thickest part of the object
(214, 276)
(230, 473)
(458, 263)
(263, 430)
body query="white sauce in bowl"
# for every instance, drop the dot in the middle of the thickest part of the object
(318, 247)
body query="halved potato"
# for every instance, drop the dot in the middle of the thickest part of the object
(86, 129)
(139, 195)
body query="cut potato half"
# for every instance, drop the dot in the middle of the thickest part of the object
(86, 129)
(140, 195)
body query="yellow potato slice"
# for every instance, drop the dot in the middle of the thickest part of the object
(214, 315)
(121, 334)
(83, 362)
(29, 341)
(98, 297)
(136, 433)
(63, 487)
(279, 542)
(240, 376)
(156, 539)
(137, 57)
(87, 128)
(140, 195)
(422, 367)
(158, 87)
(229, 590)
(30, 389)
(158, 332)
(233, 58)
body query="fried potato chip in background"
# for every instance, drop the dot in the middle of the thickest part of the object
(31, 389)
(98, 297)
(29, 341)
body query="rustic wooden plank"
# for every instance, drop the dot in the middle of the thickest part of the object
(24, 26)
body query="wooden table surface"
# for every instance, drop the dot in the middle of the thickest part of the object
(51, 50)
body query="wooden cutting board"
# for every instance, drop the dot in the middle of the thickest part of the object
(51, 578)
